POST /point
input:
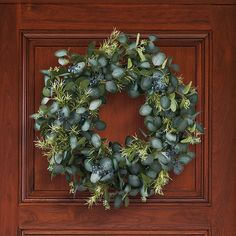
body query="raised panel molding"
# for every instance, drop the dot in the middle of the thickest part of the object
(31, 40)
(176, 232)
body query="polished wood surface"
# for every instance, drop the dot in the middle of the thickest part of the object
(200, 35)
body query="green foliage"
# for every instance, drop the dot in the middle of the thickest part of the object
(110, 45)
(68, 118)
(162, 180)
(138, 148)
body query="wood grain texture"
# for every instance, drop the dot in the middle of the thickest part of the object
(177, 232)
(223, 121)
(136, 2)
(136, 217)
(9, 125)
(214, 51)
(123, 16)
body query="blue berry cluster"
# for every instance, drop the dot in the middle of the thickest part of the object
(174, 162)
(83, 118)
(77, 68)
(95, 78)
(158, 81)
(177, 167)
(171, 153)
(61, 116)
(99, 172)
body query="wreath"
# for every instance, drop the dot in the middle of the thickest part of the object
(68, 120)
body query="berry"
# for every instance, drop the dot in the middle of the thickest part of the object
(83, 119)
(95, 78)
(171, 154)
(100, 171)
(77, 68)
(158, 82)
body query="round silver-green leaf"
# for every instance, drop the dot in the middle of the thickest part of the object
(158, 59)
(95, 104)
(118, 73)
(96, 140)
(145, 110)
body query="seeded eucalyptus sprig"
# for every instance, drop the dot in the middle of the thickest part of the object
(68, 120)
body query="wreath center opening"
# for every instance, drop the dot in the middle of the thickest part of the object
(121, 116)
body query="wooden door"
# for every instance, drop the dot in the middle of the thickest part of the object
(200, 35)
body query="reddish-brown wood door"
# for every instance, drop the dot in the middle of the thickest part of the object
(199, 35)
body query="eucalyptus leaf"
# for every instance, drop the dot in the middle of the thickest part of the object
(111, 87)
(151, 126)
(146, 83)
(95, 177)
(54, 107)
(134, 181)
(200, 128)
(148, 161)
(46, 81)
(106, 163)
(63, 61)
(91, 48)
(118, 73)
(145, 65)
(66, 111)
(102, 61)
(93, 62)
(58, 158)
(182, 125)
(86, 125)
(156, 143)
(133, 93)
(100, 125)
(61, 53)
(45, 100)
(165, 102)
(81, 110)
(178, 169)
(145, 110)
(152, 38)
(193, 98)
(152, 174)
(58, 169)
(88, 165)
(73, 142)
(37, 126)
(158, 59)
(95, 104)
(46, 92)
(117, 201)
(96, 140)
(171, 137)
(134, 168)
(174, 81)
(175, 67)
(156, 166)
(132, 46)
(184, 159)
(123, 38)
(162, 158)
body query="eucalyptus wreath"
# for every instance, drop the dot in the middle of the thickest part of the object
(68, 120)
